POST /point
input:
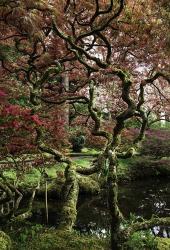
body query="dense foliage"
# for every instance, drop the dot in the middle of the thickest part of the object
(104, 69)
(157, 143)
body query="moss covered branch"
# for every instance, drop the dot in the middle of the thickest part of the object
(28, 213)
(146, 224)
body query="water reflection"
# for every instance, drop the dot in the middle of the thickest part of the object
(93, 218)
(145, 198)
(161, 231)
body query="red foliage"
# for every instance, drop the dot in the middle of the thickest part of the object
(2, 94)
(81, 127)
(55, 125)
(36, 120)
(17, 126)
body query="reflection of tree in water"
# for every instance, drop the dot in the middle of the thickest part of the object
(161, 231)
(93, 216)
(140, 198)
(159, 206)
(146, 198)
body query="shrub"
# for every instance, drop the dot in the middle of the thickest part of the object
(141, 240)
(157, 143)
(78, 143)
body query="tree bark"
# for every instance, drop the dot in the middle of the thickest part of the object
(115, 213)
(70, 196)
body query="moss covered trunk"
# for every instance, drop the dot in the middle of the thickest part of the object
(113, 203)
(70, 196)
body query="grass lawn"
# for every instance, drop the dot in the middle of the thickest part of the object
(32, 177)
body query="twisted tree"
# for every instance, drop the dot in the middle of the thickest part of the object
(101, 45)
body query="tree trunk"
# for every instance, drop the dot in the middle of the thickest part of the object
(70, 196)
(115, 213)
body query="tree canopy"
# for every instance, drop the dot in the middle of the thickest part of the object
(92, 56)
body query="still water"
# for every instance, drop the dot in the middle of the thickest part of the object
(142, 198)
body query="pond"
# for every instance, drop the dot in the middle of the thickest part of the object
(142, 198)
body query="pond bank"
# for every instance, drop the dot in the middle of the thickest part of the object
(142, 167)
(36, 237)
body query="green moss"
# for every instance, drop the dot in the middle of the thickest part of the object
(142, 240)
(28, 236)
(10, 174)
(146, 240)
(9, 53)
(88, 185)
(83, 161)
(163, 243)
(90, 151)
(5, 242)
(32, 177)
(124, 169)
(62, 240)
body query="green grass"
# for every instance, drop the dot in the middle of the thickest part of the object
(84, 162)
(32, 177)
(159, 125)
(124, 167)
(90, 150)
